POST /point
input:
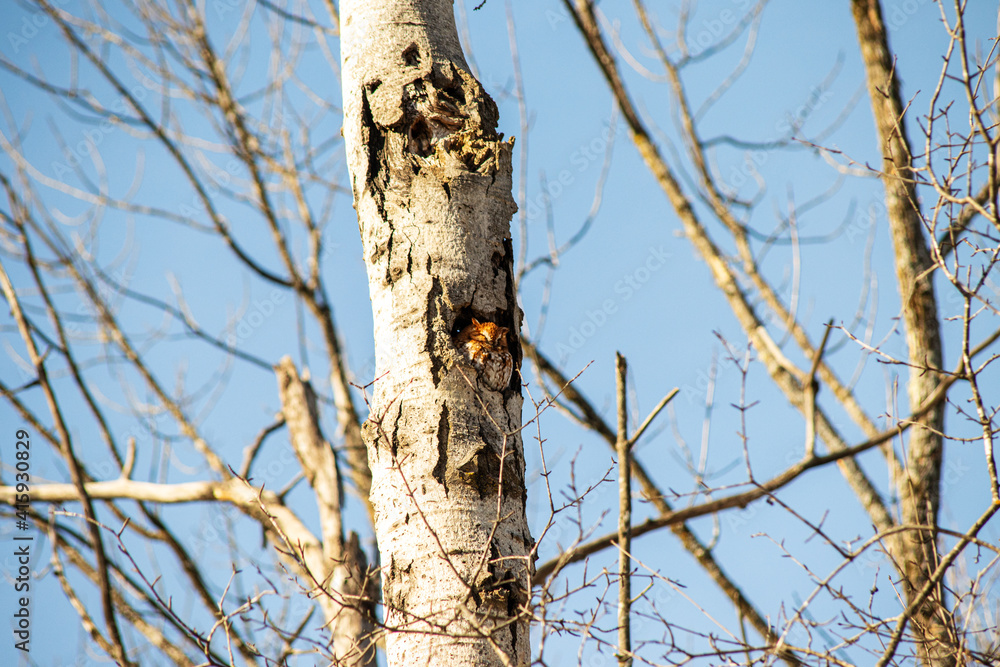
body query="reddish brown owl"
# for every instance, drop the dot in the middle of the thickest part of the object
(484, 344)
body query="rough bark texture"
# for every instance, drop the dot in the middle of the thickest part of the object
(919, 489)
(432, 188)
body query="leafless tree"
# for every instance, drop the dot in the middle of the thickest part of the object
(124, 388)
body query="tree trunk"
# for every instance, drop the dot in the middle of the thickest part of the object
(919, 490)
(432, 188)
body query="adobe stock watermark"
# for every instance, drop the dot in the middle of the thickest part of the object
(624, 288)
(865, 220)
(580, 160)
(697, 391)
(259, 312)
(786, 126)
(94, 137)
(107, 291)
(84, 312)
(216, 178)
(750, 169)
(714, 29)
(223, 7)
(900, 13)
(795, 119)
(710, 31)
(29, 27)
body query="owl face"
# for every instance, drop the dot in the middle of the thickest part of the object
(490, 333)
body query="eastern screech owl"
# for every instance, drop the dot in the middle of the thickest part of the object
(484, 345)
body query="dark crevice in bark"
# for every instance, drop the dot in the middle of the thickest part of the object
(389, 278)
(488, 473)
(395, 586)
(463, 318)
(434, 325)
(394, 439)
(443, 434)
(377, 252)
(450, 82)
(503, 588)
(513, 478)
(421, 138)
(513, 633)
(411, 55)
(510, 317)
(377, 175)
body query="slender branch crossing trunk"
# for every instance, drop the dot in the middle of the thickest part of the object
(432, 188)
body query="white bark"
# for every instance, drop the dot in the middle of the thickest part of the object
(432, 184)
